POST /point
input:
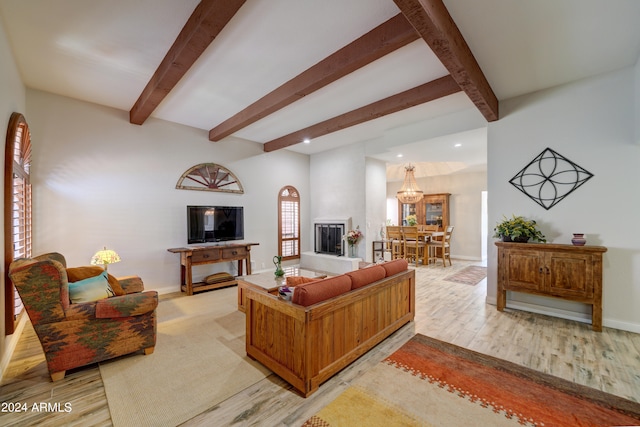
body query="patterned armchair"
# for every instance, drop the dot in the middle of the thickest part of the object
(74, 335)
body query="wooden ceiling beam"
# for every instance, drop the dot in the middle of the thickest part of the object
(419, 95)
(205, 23)
(432, 20)
(385, 38)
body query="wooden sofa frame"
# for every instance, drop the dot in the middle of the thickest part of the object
(306, 346)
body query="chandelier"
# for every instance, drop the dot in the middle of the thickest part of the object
(409, 193)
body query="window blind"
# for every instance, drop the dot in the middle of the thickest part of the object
(18, 224)
(289, 223)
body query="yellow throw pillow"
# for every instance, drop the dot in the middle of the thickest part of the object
(91, 289)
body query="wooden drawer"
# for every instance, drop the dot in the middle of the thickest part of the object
(231, 253)
(205, 256)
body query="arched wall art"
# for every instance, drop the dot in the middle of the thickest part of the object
(210, 177)
(549, 178)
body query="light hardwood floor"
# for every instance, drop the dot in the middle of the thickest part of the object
(448, 311)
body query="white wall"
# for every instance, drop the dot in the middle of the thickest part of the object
(338, 188)
(376, 203)
(637, 100)
(465, 210)
(591, 122)
(12, 99)
(100, 181)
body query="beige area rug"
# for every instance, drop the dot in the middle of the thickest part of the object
(199, 361)
(471, 275)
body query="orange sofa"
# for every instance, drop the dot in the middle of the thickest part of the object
(329, 323)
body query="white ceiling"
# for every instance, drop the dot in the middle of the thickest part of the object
(105, 51)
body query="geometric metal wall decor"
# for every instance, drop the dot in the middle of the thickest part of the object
(210, 177)
(549, 178)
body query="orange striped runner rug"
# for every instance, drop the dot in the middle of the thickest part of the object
(431, 383)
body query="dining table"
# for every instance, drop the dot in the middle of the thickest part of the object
(395, 235)
(428, 236)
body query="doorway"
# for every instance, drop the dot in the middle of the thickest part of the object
(484, 227)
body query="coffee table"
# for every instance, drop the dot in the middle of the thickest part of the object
(267, 282)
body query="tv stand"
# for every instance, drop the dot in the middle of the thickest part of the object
(199, 255)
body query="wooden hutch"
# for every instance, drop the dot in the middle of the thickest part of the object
(433, 209)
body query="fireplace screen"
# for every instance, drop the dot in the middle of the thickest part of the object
(329, 239)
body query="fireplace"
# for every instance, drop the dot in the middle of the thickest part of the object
(329, 239)
(329, 252)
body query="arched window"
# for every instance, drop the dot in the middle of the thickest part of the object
(17, 208)
(289, 223)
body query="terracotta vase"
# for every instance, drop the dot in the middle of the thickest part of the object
(578, 239)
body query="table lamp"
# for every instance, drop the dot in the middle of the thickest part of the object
(105, 257)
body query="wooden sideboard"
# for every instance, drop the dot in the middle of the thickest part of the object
(569, 272)
(198, 255)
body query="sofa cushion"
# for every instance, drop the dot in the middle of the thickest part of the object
(365, 276)
(300, 280)
(91, 289)
(395, 266)
(315, 292)
(75, 274)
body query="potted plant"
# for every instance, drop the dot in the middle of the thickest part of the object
(411, 220)
(518, 229)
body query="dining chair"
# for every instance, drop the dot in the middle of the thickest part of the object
(394, 241)
(427, 232)
(414, 246)
(441, 249)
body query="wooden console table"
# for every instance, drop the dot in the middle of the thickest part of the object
(198, 255)
(569, 272)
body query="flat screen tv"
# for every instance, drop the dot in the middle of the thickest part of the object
(214, 223)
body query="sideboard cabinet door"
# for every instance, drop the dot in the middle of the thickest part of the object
(570, 275)
(523, 270)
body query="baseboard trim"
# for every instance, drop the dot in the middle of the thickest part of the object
(623, 326)
(549, 311)
(465, 258)
(569, 315)
(166, 290)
